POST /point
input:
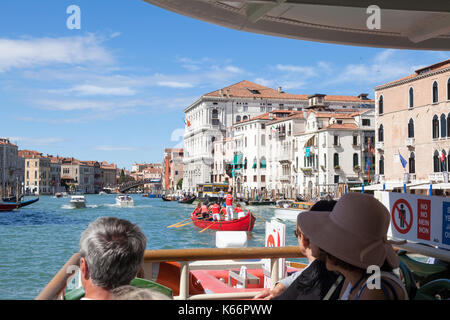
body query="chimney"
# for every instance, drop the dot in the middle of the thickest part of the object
(280, 90)
(221, 92)
(363, 96)
(228, 93)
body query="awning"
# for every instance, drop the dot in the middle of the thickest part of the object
(379, 187)
(254, 164)
(434, 186)
(237, 160)
(263, 163)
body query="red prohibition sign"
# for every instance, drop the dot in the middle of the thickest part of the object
(403, 226)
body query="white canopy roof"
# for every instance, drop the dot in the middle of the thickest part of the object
(414, 24)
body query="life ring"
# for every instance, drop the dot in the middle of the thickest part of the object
(168, 274)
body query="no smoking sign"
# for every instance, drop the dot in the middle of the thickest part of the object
(402, 216)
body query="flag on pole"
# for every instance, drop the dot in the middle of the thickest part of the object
(402, 160)
(274, 130)
(441, 155)
(187, 122)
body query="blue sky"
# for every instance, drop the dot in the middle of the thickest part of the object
(115, 90)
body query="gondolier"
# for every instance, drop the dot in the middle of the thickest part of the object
(229, 205)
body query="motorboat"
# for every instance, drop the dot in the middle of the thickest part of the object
(124, 200)
(290, 211)
(78, 202)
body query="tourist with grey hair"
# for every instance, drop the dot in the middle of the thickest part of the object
(112, 252)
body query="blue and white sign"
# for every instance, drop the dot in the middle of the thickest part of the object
(446, 222)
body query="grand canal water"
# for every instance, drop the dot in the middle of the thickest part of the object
(36, 241)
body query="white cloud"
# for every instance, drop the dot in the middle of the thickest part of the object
(34, 52)
(37, 141)
(174, 84)
(91, 90)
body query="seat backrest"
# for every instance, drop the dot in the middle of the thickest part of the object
(434, 290)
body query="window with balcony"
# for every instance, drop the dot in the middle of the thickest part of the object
(443, 126)
(411, 97)
(411, 128)
(238, 118)
(412, 163)
(435, 126)
(435, 92)
(380, 133)
(380, 105)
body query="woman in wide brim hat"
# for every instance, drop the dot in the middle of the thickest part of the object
(352, 239)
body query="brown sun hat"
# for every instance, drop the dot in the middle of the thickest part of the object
(354, 231)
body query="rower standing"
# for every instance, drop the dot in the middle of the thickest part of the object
(229, 205)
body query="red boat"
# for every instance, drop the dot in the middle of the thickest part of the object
(8, 206)
(245, 223)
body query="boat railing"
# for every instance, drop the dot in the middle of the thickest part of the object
(185, 257)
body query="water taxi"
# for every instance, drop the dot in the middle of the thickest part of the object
(78, 202)
(124, 200)
(289, 211)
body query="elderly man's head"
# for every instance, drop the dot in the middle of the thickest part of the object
(113, 251)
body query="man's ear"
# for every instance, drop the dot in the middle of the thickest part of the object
(84, 268)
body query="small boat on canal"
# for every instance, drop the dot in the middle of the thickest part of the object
(245, 223)
(187, 200)
(124, 200)
(290, 211)
(168, 198)
(78, 202)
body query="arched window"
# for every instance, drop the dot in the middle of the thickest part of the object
(411, 128)
(355, 160)
(380, 105)
(443, 126)
(448, 89)
(411, 97)
(435, 92)
(435, 126)
(381, 165)
(436, 162)
(238, 118)
(245, 118)
(412, 163)
(448, 125)
(380, 133)
(336, 159)
(448, 161)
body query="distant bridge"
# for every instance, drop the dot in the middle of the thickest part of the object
(133, 184)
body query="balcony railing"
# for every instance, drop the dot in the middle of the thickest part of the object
(409, 142)
(379, 145)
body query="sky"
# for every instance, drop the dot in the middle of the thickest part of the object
(115, 89)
